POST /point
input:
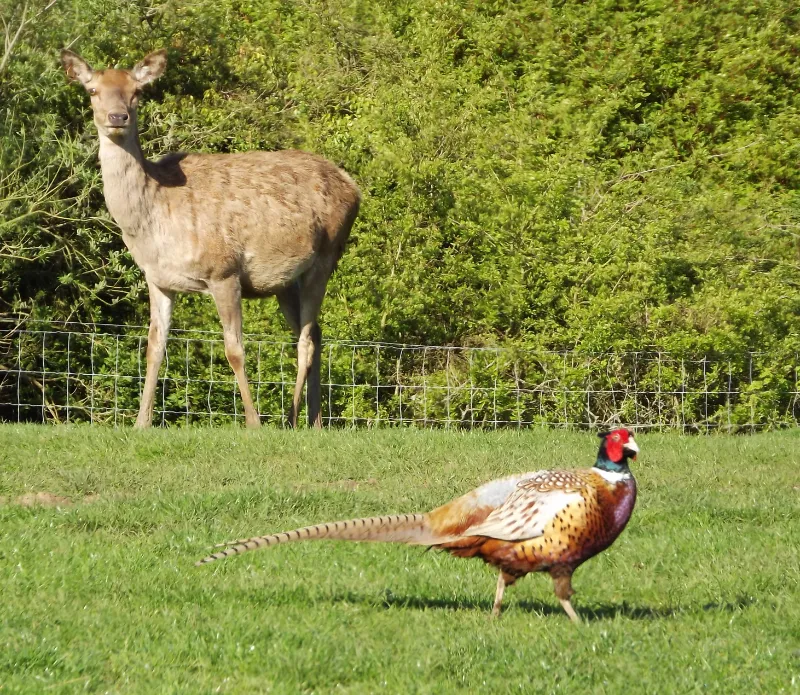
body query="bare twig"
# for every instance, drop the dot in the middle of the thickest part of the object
(10, 41)
(24, 22)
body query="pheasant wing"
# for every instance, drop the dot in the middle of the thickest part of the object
(528, 511)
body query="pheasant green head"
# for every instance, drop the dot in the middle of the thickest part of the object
(616, 448)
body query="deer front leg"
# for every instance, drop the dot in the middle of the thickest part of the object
(228, 298)
(160, 316)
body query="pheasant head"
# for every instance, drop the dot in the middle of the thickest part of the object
(616, 448)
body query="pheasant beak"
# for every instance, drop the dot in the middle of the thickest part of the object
(631, 447)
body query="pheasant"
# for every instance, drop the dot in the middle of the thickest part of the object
(546, 521)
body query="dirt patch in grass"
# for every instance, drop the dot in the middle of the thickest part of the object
(45, 499)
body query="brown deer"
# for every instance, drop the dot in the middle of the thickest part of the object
(231, 225)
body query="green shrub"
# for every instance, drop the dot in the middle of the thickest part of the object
(600, 176)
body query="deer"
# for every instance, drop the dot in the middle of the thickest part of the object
(234, 225)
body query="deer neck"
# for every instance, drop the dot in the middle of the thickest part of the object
(127, 187)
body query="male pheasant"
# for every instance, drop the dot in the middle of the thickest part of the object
(549, 521)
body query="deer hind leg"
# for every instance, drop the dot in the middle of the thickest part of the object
(311, 292)
(309, 347)
(314, 387)
(562, 583)
(289, 302)
(160, 316)
(228, 298)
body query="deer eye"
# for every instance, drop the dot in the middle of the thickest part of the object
(92, 91)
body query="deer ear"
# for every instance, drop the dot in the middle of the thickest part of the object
(77, 68)
(151, 67)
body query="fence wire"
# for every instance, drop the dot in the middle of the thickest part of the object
(73, 373)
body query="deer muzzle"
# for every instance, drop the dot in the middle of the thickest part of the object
(118, 120)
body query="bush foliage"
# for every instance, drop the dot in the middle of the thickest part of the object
(590, 175)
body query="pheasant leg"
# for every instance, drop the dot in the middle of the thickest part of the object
(570, 610)
(562, 583)
(498, 597)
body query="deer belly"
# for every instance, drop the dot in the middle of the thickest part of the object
(177, 282)
(265, 277)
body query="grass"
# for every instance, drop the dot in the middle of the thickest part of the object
(100, 594)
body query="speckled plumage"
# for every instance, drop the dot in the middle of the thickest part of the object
(549, 521)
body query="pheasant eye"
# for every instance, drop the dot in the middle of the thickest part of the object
(615, 437)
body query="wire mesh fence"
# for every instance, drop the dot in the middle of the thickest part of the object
(60, 372)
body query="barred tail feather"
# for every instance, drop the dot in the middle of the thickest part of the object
(395, 528)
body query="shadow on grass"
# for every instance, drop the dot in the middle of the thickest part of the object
(596, 612)
(626, 610)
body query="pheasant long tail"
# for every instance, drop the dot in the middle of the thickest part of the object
(396, 528)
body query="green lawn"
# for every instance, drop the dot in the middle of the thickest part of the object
(100, 592)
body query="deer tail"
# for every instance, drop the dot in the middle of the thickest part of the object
(395, 528)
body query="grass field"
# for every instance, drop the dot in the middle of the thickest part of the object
(99, 530)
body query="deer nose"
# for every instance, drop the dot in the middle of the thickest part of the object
(117, 119)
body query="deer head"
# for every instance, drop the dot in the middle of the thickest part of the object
(114, 93)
